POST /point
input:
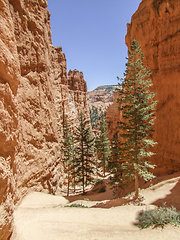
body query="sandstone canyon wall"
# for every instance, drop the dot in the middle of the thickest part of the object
(156, 26)
(113, 116)
(101, 97)
(36, 94)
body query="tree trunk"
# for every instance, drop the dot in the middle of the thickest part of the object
(83, 175)
(68, 182)
(74, 185)
(86, 172)
(82, 161)
(136, 185)
(103, 167)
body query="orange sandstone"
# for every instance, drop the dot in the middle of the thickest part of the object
(156, 26)
(36, 94)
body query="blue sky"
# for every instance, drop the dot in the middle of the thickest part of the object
(92, 36)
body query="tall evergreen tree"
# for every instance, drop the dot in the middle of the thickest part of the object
(138, 114)
(90, 164)
(85, 148)
(103, 144)
(68, 145)
(94, 117)
(116, 164)
(73, 163)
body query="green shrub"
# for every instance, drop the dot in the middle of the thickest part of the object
(86, 199)
(158, 217)
(77, 205)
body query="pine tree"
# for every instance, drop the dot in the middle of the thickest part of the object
(94, 117)
(85, 148)
(137, 106)
(116, 165)
(89, 156)
(73, 162)
(102, 144)
(68, 145)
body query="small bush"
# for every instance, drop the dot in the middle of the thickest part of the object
(77, 205)
(158, 217)
(86, 199)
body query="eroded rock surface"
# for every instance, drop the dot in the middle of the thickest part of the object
(101, 97)
(156, 26)
(113, 116)
(36, 94)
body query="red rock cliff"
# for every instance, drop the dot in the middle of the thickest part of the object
(112, 116)
(156, 26)
(36, 94)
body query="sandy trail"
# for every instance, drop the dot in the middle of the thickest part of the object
(44, 217)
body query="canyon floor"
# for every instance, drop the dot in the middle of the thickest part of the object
(43, 216)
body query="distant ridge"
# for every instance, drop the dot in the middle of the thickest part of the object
(101, 97)
(107, 88)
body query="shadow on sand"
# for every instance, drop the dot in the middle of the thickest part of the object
(173, 199)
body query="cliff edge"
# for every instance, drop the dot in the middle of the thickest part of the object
(36, 95)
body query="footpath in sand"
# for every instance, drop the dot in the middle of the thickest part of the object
(44, 217)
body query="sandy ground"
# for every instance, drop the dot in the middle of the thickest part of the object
(43, 217)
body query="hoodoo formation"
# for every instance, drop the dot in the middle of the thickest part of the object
(156, 26)
(36, 94)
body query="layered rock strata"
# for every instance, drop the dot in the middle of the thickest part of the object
(101, 97)
(36, 94)
(103, 94)
(156, 26)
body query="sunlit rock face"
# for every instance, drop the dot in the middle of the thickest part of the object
(113, 116)
(36, 95)
(101, 98)
(156, 26)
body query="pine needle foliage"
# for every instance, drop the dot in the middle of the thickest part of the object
(103, 144)
(85, 152)
(94, 117)
(137, 106)
(73, 163)
(115, 165)
(69, 152)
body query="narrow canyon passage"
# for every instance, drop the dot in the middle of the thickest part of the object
(44, 216)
